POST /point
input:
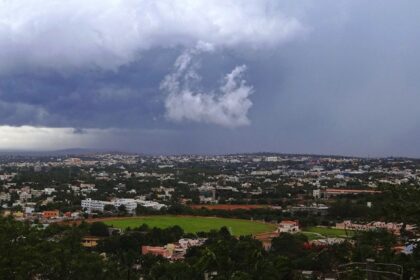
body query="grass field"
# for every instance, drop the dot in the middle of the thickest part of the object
(313, 232)
(195, 224)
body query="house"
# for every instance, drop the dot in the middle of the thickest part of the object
(288, 227)
(29, 210)
(50, 214)
(18, 214)
(90, 241)
(156, 251)
(172, 251)
(6, 213)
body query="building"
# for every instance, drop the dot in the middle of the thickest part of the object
(24, 196)
(271, 159)
(18, 214)
(207, 194)
(156, 251)
(90, 241)
(4, 196)
(316, 193)
(394, 228)
(336, 192)
(93, 205)
(315, 209)
(172, 251)
(150, 204)
(50, 214)
(90, 205)
(129, 204)
(29, 210)
(188, 242)
(49, 191)
(288, 227)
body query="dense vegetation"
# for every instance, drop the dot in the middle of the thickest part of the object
(31, 252)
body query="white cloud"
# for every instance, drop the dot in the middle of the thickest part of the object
(227, 106)
(47, 138)
(35, 138)
(105, 34)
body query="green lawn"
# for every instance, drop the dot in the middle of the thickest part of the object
(311, 232)
(195, 224)
(312, 235)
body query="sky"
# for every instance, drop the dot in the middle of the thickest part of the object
(211, 77)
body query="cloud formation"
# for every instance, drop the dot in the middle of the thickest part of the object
(106, 34)
(14, 113)
(228, 106)
(30, 137)
(350, 85)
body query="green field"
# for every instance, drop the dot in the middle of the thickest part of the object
(322, 232)
(195, 224)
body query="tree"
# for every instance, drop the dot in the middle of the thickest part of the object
(122, 209)
(172, 271)
(99, 229)
(289, 245)
(109, 207)
(27, 252)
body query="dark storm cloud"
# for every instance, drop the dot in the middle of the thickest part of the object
(346, 82)
(90, 99)
(91, 63)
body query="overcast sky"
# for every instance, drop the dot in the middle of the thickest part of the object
(214, 76)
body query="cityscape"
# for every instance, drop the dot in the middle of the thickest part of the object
(301, 207)
(209, 140)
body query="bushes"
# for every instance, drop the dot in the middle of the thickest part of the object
(99, 229)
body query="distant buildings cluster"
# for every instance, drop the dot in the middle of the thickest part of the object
(394, 228)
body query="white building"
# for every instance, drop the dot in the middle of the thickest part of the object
(288, 226)
(4, 196)
(49, 191)
(99, 206)
(316, 193)
(150, 204)
(29, 210)
(271, 159)
(93, 205)
(130, 204)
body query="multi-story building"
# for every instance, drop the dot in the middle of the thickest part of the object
(97, 205)
(93, 205)
(130, 204)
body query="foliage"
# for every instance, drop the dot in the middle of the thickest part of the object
(99, 229)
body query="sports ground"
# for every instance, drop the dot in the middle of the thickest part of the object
(193, 224)
(324, 232)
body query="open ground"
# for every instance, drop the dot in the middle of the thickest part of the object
(323, 232)
(193, 224)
